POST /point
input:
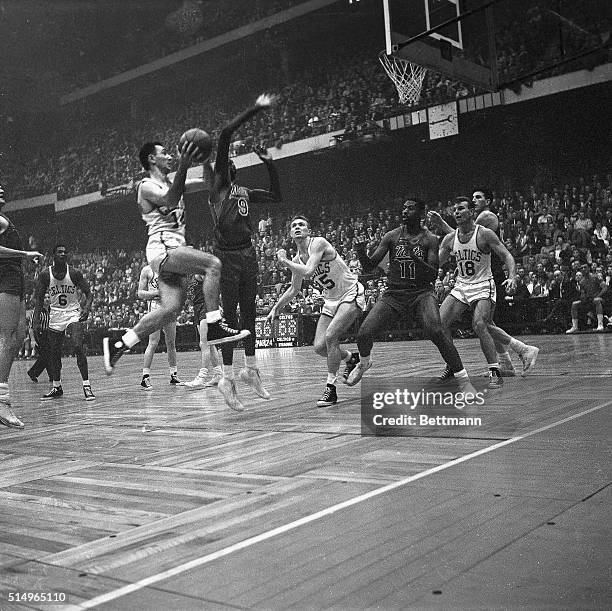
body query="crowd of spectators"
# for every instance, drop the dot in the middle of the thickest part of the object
(559, 238)
(343, 90)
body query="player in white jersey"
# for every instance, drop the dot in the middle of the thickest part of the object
(63, 283)
(148, 290)
(471, 245)
(162, 207)
(481, 198)
(344, 297)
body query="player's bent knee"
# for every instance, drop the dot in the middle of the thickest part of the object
(480, 326)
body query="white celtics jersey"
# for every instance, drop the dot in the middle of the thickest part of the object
(473, 265)
(63, 294)
(333, 278)
(173, 222)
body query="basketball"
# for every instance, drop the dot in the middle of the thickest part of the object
(200, 138)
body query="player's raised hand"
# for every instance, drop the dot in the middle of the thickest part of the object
(262, 152)
(434, 218)
(266, 100)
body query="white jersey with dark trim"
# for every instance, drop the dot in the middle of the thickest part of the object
(63, 296)
(333, 278)
(173, 222)
(473, 264)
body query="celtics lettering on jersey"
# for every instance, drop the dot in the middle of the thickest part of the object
(320, 278)
(473, 264)
(62, 293)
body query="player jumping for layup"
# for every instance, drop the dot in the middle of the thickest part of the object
(344, 297)
(413, 265)
(163, 210)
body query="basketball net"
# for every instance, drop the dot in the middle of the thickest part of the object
(406, 76)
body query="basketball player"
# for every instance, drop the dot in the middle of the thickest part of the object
(210, 356)
(12, 308)
(230, 209)
(61, 282)
(413, 267)
(344, 297)
(148, 290)
(481, 198)
(163, 209)
(471, 245)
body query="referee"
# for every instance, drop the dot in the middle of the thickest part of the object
(42, 342)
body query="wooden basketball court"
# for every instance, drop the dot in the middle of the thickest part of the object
(168, 500)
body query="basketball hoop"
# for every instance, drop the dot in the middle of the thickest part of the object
(406, 76)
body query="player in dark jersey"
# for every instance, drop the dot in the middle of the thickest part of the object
(481, 199)
(230, 209)
(12, 308)
(413, 267)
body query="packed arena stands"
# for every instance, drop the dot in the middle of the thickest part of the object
(559, 238)
(338, 87)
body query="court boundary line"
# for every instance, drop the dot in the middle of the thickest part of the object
(279, 530)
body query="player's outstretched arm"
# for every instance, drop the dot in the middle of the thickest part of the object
(438, 223)
(444, 252)
(370, 262)
(287, 296)
(494, 243)
(265, 100)
(274, 195)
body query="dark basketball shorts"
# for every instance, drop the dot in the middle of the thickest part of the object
(239, 267)
(12, 282)
(406, 302)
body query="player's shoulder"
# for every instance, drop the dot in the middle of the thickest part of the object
(488, 219)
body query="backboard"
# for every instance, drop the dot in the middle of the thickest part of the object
(463, 50)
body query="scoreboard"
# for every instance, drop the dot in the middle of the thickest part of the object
(284, 332)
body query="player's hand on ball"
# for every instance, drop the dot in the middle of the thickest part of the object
(189, 153)
(265, 100)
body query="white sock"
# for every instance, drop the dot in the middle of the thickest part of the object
(228, 372)
(173, 370)
(86, 383)
(600, 320)
(493, 365)
(250, 361)
(146, 371)
(218, 369)
(462, 375)
(331, 378)
(203, 372)
(212, 317)
(130, 338)
(4, 389)
(517, 346)
(57, 384)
